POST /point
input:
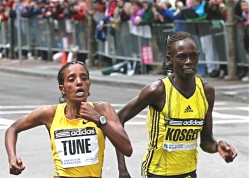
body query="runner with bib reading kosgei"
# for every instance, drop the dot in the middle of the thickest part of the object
(180, 108)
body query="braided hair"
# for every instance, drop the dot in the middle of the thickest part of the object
(60, 77)
(172, 38)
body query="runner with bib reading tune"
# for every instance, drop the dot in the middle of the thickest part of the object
(77, 128)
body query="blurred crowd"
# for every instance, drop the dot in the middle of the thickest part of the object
(139, 13)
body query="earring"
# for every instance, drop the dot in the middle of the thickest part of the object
(169, 69)
(62, 98)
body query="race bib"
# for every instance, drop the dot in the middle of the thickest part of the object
(77, 147)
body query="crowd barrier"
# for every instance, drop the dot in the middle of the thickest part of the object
(39, 35)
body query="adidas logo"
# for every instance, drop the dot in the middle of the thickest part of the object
(188, 109)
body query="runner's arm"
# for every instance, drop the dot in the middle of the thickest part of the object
(37, 117)
(208, 143)
(113, 129)
(151, 94)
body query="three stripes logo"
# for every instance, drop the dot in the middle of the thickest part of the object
(188, 109)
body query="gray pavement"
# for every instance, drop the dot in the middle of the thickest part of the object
(225, 89)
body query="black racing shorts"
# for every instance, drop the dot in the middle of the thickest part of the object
(187, 175)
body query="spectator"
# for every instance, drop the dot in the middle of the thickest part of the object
(144, 23)
(30, 9)
(172, 13)
(120, 28)
(245, 15)
(109, 11)
(195, 10)
(121, 14)
(57, 11)
(237, 8)
(73, 10)
(80, 9)
(136, 12)
(3, 16)
(216, 10)
(67, 9)
(148, 16)
(101, 31)
(158, 18)
(98, 10)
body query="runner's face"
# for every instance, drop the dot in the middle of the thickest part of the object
(184, 58)
(76, 83)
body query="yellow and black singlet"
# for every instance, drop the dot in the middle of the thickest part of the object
(173, 132)
(77, 146)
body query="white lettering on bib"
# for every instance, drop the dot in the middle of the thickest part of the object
(77, 147)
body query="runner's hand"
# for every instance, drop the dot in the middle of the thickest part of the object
(226, 151)
(16, 166)
(124, 174)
